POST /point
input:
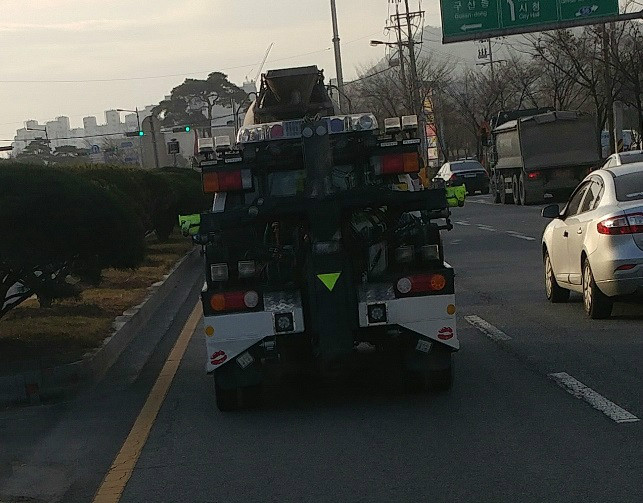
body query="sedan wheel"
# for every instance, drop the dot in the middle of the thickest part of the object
(555, 294)
(597, 305)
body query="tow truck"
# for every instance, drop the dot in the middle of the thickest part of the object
(324, 235)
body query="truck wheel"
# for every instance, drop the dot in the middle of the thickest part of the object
(515, 190)
(527, 198)
(555, 293)
(434, 381)
(227, 399)
(441, 380)
(597, 305)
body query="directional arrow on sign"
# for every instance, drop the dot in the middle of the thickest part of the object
(466, 27)
(586, 10)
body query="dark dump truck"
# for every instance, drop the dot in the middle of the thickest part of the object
(537, 153)
(322, 237)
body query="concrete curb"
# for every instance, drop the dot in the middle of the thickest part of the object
(40, 383)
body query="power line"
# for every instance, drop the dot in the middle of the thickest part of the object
(151, 77)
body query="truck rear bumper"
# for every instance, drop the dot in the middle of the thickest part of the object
(425, 315)
(229, 335)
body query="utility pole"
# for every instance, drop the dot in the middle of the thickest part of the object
(412, 86)
(156, 152)
(338, 55)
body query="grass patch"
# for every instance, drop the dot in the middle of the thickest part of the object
(71, 327)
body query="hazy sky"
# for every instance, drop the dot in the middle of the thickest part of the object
(127, 40)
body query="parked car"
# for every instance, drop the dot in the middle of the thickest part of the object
(621, 158)
(469, 173)
(594, 246)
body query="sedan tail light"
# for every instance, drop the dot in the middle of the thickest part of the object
(626, 224)
(534, 175)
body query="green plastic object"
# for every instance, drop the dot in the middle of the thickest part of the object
(456, 196)
(190, 224)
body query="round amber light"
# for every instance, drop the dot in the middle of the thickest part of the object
(450, 309)
(438, 282)
(217, 302)
(209, 331)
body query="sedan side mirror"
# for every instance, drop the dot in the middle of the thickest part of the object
(551, 211)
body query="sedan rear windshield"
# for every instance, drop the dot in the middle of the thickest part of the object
(466, 166)
(629, 187)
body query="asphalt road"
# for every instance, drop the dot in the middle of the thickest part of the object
(506, 432)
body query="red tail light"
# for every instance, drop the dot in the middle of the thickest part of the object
(234, 301)
(420, 283)
(534, 175)
(226, 181)
(453, 178)
(394, 164)
(626, 224)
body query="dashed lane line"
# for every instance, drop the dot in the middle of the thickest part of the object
(486, 227)
(495, 334)
(461, 222)
(596, 400)
(520, 236)
(113, 485)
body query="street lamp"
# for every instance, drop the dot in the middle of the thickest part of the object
(138, 122)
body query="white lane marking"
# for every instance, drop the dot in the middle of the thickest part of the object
(495, 334)
(485, 227)
(456, 242)
(599, 402)
(462, 222)
(478, 201)
(520, 236)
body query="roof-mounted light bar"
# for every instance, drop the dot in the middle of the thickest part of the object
(285, 130)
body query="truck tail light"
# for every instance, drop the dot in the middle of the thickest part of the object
(534, 175)
(626, 224)
(226, 181)
(234, 301)
(395, 164)
(421, 283)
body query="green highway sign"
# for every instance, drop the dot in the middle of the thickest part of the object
(476, 19)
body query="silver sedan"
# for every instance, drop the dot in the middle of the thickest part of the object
(594, 246)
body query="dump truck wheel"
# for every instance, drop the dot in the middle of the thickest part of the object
(515, 190)
(227, 399)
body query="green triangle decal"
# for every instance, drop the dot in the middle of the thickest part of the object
(329, 279)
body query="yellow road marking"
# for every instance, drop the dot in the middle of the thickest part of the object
(113, 485)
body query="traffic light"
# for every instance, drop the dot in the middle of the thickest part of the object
(181, 129)
(130, 134)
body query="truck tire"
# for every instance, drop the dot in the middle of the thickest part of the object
(555, 293)
(515, 190)
(227, 399)
(598, 306)
(433, 381)
(528, 197)
(441, 380)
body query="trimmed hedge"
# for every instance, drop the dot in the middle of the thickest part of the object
(56, 221)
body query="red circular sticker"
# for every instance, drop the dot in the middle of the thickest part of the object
(218, 358)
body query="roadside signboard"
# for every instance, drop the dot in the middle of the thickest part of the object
(476, 19)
